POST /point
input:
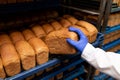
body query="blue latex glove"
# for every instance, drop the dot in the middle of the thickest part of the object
(80, 44)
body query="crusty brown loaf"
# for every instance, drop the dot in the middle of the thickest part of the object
(56, 25)
(56, 41)
(83, 30)
(30, 77)
(71, 19)
(4, 38)
(42, 22)
(40, 49)
(40, 73)
(51, 14)
(10, 59)
(64, 22)
(55, 14)
(90, 28)
(2, 72)
(27, 54)
(38, 30)
(16, 36)
(47, 28)
(28, 34)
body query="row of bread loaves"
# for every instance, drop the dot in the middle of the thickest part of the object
(23, 49)
(18, 52)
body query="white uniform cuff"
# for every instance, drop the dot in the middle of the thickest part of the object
(88, 52)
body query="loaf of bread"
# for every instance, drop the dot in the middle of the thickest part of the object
(42, 22)
(51, 14)
(2, 72)
(47, 28)
(64, 22)
(29, 0)
(38, 30)
(34, 18)
(11, 1)
(55, 14)
(56, 41)
(28, 34)
(83, 30)
(41, 50)
(48, 15)
(16, 36)
(56, 25)
(10, 59)
(4, 38)
(3, 1)
(92, 17)
(30, 77)
(71, 19)
(10, 23)
(19, 1)
(27, 54)
(40, 73)
(18, 22)
(90, 28)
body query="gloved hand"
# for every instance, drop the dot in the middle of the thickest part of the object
(80, 44)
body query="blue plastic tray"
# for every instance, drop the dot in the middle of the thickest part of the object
(112, 29)
(103, 76)
(62, 69)
(111, 44)
(53, 62)
(77, 73)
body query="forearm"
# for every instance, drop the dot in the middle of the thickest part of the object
(106, 62)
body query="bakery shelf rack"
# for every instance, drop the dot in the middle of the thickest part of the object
(7, 10)
(75, 60)
(75, 73)
(116, 9)
(111, 44)
(97, 7)
(112, 29)
(103, 76)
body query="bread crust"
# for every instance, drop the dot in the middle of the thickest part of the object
(38, 31)
(41, 50)
(27, 54)
(56, 41)
(16, 36)
(90, 28)
(4, 39)
(10, 59)
(28, 34)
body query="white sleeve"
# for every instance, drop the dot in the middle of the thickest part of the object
(106, 62)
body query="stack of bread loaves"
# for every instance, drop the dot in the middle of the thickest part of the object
(23, 49)
(113, 19)
(56, 40)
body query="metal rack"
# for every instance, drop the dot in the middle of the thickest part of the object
(23, 7)
(103, 76)
(99, 12)
(104, 10)
(111, 44)
(74, 61)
